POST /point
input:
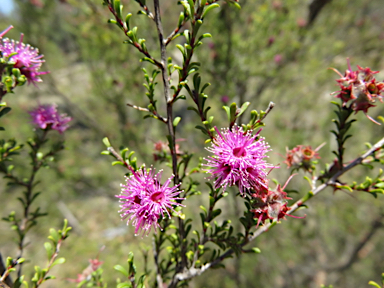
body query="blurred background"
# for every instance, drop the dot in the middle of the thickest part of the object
(276, 51)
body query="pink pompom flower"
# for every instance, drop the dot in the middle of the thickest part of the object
(143, 199)
(47, 117)
(25, 57)
(239, 159)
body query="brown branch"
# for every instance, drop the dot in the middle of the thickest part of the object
(375, 226)
(159, 279)
(314, 9)
(171, 130)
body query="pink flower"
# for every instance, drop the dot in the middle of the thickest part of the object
(143, 199)
(27, 58)
(94, 264)
(278, 58)
(239, 159)
(47, 117)
(360, 89)
(225, 99)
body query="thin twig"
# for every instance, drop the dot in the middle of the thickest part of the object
(155, 115)
(8, 279)
(147, 11)
(174, 32)
(270, 107)
(167, 94)
(124, 27)
(375, 226)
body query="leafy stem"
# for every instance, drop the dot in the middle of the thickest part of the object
(342, 127)
(38, 159)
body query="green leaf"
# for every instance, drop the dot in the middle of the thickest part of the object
(226, 108)
(140, 283)
(48, 248)
(380, 185)
(256, 250)
(216, 213)
(55, 236)
(209, 8)
(205, 35)
(243, 108)
(204, 130)
(204, 209)
(187, 7)
(121, 269)
(374, 284)
(59, 261)
(192, 5)
(124, 285)
(129, 15)
(5, 111)
(106, 142)
(237, 5)
(182, 50)
(18, 282)
(181, 19)
(176, 121)
(118, 8)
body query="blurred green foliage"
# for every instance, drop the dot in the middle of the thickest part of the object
(264, 52)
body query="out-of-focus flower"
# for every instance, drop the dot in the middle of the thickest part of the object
(302, 157)
(301, 22)
(225, 99)
(162, 152)
(278, 58)
(359, 88)
(37, 3)
(94, 264)
(47, 117)
(143, 199)
(239, 159)
(25, 57)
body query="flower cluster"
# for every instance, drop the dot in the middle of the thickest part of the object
(302, 157)
(47, 117)
(273, 206)
(239, 159)
(360, 89)
(25, 57)
(143, 199)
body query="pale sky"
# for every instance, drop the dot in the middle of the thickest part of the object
(6, 6)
